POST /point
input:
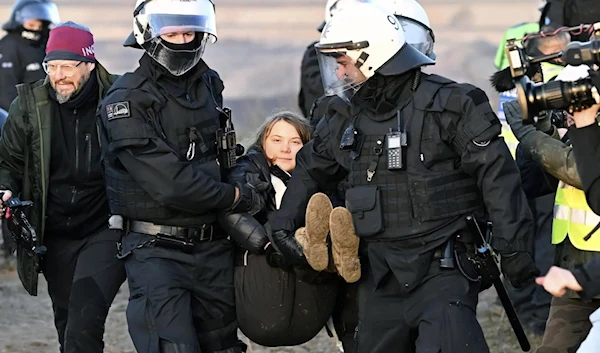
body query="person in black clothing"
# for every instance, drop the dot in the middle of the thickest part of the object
(453, 165)
(22, 49)
(157, 128)
(50, 154)
(311, 86)
(278, 306)
(570, 13)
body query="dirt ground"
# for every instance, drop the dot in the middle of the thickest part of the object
(258, 56)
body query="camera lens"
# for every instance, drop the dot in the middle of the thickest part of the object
(554, 95)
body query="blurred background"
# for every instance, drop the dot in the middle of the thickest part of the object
(258, 56)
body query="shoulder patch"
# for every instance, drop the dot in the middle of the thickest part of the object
(118, 110)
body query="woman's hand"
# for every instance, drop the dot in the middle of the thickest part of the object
(558, 280)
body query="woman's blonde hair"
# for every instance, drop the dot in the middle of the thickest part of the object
(301, 125)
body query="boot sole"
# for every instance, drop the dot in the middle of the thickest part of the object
(344, 244)
(317, 227)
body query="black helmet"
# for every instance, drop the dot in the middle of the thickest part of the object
(24, 10)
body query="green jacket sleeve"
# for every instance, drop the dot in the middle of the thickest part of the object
(548, 151)
(553, 155)
(13, 149)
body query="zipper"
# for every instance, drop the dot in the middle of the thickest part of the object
(76, 142)
(43, 175)
(88, 140)
(73, 194)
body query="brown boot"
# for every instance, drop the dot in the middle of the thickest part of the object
(300, 236)
(317, 227)
(344, 244)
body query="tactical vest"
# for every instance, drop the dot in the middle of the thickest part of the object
(574, 218)
(415, 201)
(178, 126)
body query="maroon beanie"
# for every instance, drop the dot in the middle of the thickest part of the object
(70, 41)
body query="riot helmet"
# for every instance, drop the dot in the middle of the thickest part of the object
(153, 19)
(359, 41)
(25, 10)
(414, 21)
(331, 8)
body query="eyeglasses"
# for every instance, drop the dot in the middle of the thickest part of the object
(67, 69)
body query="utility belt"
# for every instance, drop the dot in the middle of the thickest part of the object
(173, 237)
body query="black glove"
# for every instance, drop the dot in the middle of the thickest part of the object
(519, 268)
(290, 249)
(275, 259)
(250, 199)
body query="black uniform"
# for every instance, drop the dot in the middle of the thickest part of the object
(20, 62)
(456, 165)
(158, 137)
(311, 85)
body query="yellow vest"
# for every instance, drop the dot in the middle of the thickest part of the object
(574, 218)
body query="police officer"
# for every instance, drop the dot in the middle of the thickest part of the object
(417, 31)
(23, 48)
(162, 175)
(311, 86)
(421, 153)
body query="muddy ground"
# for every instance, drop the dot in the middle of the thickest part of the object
(258, 56)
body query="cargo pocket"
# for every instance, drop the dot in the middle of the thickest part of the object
(141, 323)
(364, 203)
(461, 331)
(140, 318)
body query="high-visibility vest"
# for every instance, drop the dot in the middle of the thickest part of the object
(574, 218)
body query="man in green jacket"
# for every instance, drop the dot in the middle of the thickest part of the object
(50, 154)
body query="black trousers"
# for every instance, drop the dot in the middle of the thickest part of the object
(437, 316)
(83, 278)
(180, 302)
(345, 315)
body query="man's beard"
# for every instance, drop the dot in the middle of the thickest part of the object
(63, 98)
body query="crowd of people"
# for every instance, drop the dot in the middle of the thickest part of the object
(355, 212)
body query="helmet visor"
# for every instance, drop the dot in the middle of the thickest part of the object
(340, 74)
(417, 35)
(176, 61)
(47, 11)
(160, 24)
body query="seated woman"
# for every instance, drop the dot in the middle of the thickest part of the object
(282, 306)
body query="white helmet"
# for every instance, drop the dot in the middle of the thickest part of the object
(153, 18)
(359, 41)
(332, 7)
(414, 21)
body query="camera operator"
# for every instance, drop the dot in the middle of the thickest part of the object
(585, 279)
(568, 323)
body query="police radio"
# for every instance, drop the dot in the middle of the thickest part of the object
(395, 140)
(227, 147)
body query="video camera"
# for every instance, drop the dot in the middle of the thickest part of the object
(535, 97)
